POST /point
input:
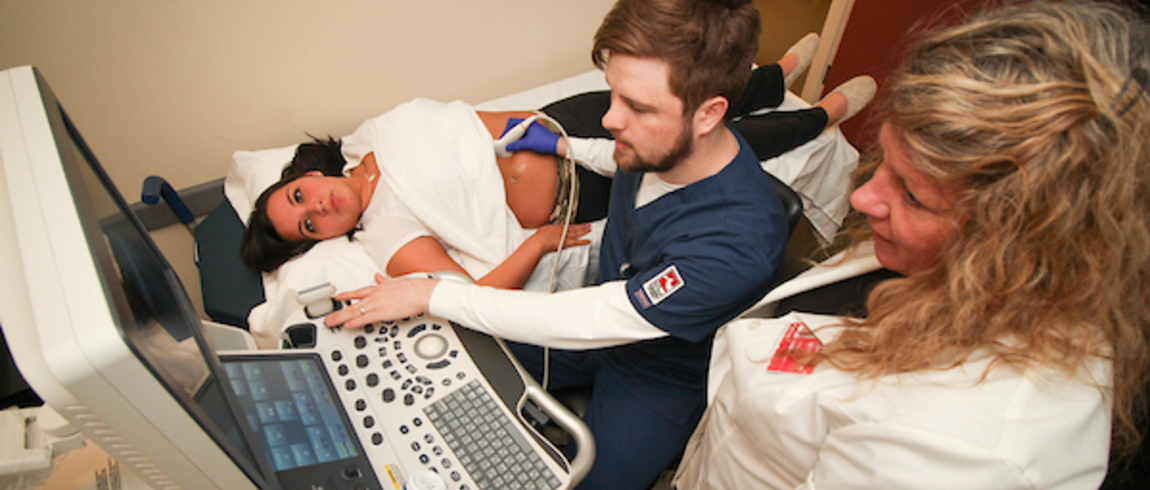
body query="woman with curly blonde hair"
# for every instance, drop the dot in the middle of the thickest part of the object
(1011, 205)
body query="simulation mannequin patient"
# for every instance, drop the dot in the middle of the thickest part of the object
(326, 190)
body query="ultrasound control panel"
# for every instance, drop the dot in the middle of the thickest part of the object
(429, 398)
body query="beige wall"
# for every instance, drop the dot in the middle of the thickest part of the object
(786, 21)
(174, 87)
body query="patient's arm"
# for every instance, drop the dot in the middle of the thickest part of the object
(426, 254)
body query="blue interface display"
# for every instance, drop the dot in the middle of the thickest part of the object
(289, 405)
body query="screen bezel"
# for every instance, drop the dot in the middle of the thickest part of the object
(301, 477)
(64, 132)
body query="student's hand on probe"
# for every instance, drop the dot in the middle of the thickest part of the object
(538, 138)
(389, 299)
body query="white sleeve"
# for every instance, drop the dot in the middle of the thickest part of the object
(594, 154)
(388, 225)
(383, 238)
(584, 318)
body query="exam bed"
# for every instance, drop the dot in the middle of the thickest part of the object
(813, 177)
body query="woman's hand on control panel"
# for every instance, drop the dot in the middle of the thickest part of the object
(387, 300)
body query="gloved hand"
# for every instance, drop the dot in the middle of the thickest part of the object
(538, 138)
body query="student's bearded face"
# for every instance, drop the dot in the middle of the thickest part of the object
(646, 119)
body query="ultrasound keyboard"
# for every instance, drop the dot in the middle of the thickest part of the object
(490, 448)
(428, 397)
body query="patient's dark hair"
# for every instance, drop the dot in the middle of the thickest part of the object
(324, 155)
(262, 248)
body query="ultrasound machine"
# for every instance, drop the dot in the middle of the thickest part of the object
(103, 331)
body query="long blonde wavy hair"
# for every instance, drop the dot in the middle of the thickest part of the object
(1036, 112)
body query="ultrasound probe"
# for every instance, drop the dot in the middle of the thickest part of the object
(512, 135)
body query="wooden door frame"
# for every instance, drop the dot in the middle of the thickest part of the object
(829, 39)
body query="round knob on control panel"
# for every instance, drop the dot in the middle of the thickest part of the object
(431, 346)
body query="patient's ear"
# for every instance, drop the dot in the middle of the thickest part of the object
(710, 114)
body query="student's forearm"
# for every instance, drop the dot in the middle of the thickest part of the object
(561, 147)
(594, 154)
(582, 318)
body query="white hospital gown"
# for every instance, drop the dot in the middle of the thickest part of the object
(439, 178)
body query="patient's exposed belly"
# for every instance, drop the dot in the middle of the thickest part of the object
(530, 180)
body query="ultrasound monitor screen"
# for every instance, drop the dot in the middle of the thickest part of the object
(148, 301)
(291, 406)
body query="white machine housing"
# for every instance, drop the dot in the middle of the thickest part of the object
(68, 322)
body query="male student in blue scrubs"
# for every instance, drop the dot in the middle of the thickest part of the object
(695, 234)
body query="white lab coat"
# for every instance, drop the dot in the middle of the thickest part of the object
(770, 426)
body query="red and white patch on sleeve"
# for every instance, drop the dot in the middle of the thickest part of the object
(797, 339)
(665, 284)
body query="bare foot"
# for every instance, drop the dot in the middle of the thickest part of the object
(798, 58)
(788, 63)
(836, 106)
(848, 99)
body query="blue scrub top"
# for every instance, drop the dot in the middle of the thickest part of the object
(693, 259)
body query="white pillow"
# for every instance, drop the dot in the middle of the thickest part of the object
(250, 173)
(343, 264)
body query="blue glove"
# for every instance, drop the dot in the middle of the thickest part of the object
(538, 138)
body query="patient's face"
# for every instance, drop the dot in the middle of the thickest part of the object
(646, 119)
(315, 207)
(912, 216)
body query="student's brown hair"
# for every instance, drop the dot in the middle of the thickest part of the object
(710, 45)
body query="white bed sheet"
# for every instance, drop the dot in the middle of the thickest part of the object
(818, 171)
